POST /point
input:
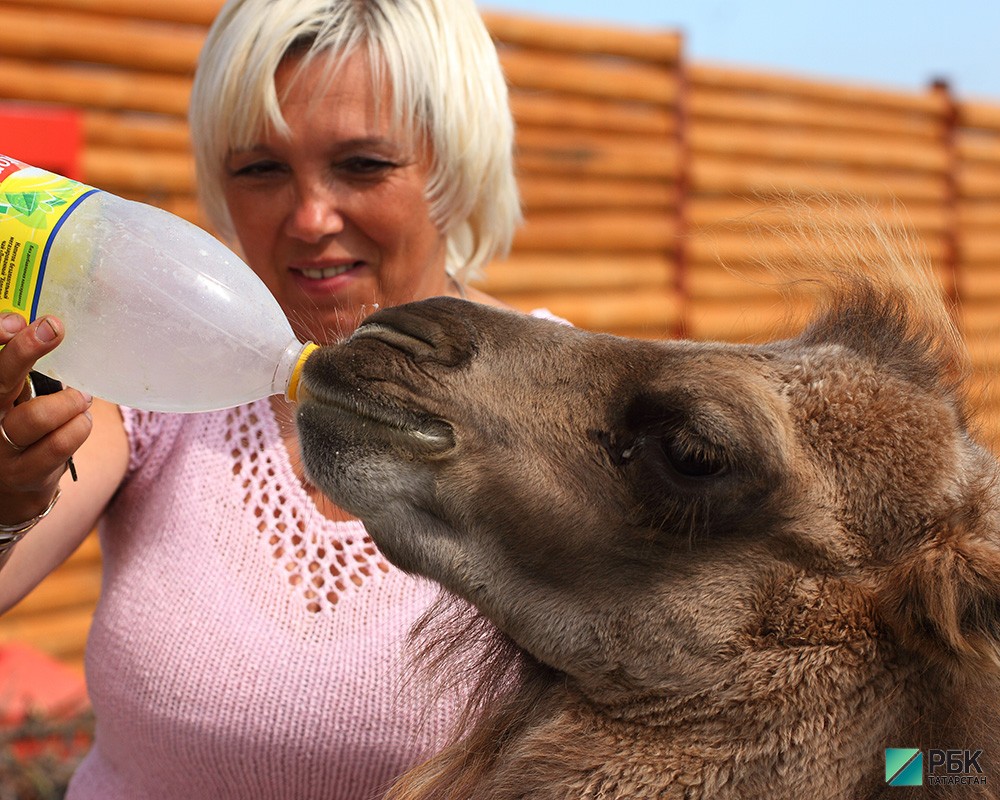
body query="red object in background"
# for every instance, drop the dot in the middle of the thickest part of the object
(35, 686)
(33, 682)
(48, 137)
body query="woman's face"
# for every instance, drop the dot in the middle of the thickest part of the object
(333, 217)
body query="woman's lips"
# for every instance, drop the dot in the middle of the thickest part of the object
(323, 273)
(324, 278)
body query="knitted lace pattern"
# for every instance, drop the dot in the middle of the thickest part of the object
(245, 647)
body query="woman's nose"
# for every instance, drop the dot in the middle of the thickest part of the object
(316, 214)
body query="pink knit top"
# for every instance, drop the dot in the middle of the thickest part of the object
(245, 646)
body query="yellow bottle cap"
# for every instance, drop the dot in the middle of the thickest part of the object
(293, 382)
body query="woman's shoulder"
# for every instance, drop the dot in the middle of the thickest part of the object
(544, 313)
(148, 432)
(479, 296)
(155, 436)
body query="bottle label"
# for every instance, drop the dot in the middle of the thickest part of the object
(33, 205)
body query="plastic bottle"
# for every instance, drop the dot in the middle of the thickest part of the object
(159, 314)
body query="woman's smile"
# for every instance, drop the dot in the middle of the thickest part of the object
(326, 277)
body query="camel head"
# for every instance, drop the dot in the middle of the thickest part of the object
(653, 517)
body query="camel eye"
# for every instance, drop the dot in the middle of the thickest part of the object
(691, 459)
(680, 438)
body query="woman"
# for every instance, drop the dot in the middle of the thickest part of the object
(249, 640)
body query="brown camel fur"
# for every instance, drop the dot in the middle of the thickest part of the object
(727, 570)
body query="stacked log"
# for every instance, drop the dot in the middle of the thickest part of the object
(127, 66)
(598, 159)
(754, 139)
(977, 191)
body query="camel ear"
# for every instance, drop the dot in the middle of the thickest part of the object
(944, 599)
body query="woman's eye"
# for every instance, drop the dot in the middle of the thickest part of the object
(256, 169)
(366, 166)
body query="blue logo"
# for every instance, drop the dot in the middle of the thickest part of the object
(904, 766)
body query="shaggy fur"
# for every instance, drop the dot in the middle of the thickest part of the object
(728, 571)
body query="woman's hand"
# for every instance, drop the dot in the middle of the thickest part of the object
(39, 434)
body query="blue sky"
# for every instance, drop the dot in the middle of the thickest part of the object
(875, 42)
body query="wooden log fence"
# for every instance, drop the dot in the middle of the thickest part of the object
(651, 185)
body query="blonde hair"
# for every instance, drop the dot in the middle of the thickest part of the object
(447, 88)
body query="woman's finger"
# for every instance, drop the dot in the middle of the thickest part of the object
(10, 324)
(47, 459)
(23, 345)
(45, 432)
(28, 423)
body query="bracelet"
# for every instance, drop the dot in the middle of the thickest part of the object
(12, 534)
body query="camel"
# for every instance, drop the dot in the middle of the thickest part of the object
(712, 570)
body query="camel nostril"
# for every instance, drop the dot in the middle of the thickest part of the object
(401, 340)
(429, 332)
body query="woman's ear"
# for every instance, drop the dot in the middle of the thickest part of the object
(944, 599)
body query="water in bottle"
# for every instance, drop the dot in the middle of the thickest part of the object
(159, 314)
